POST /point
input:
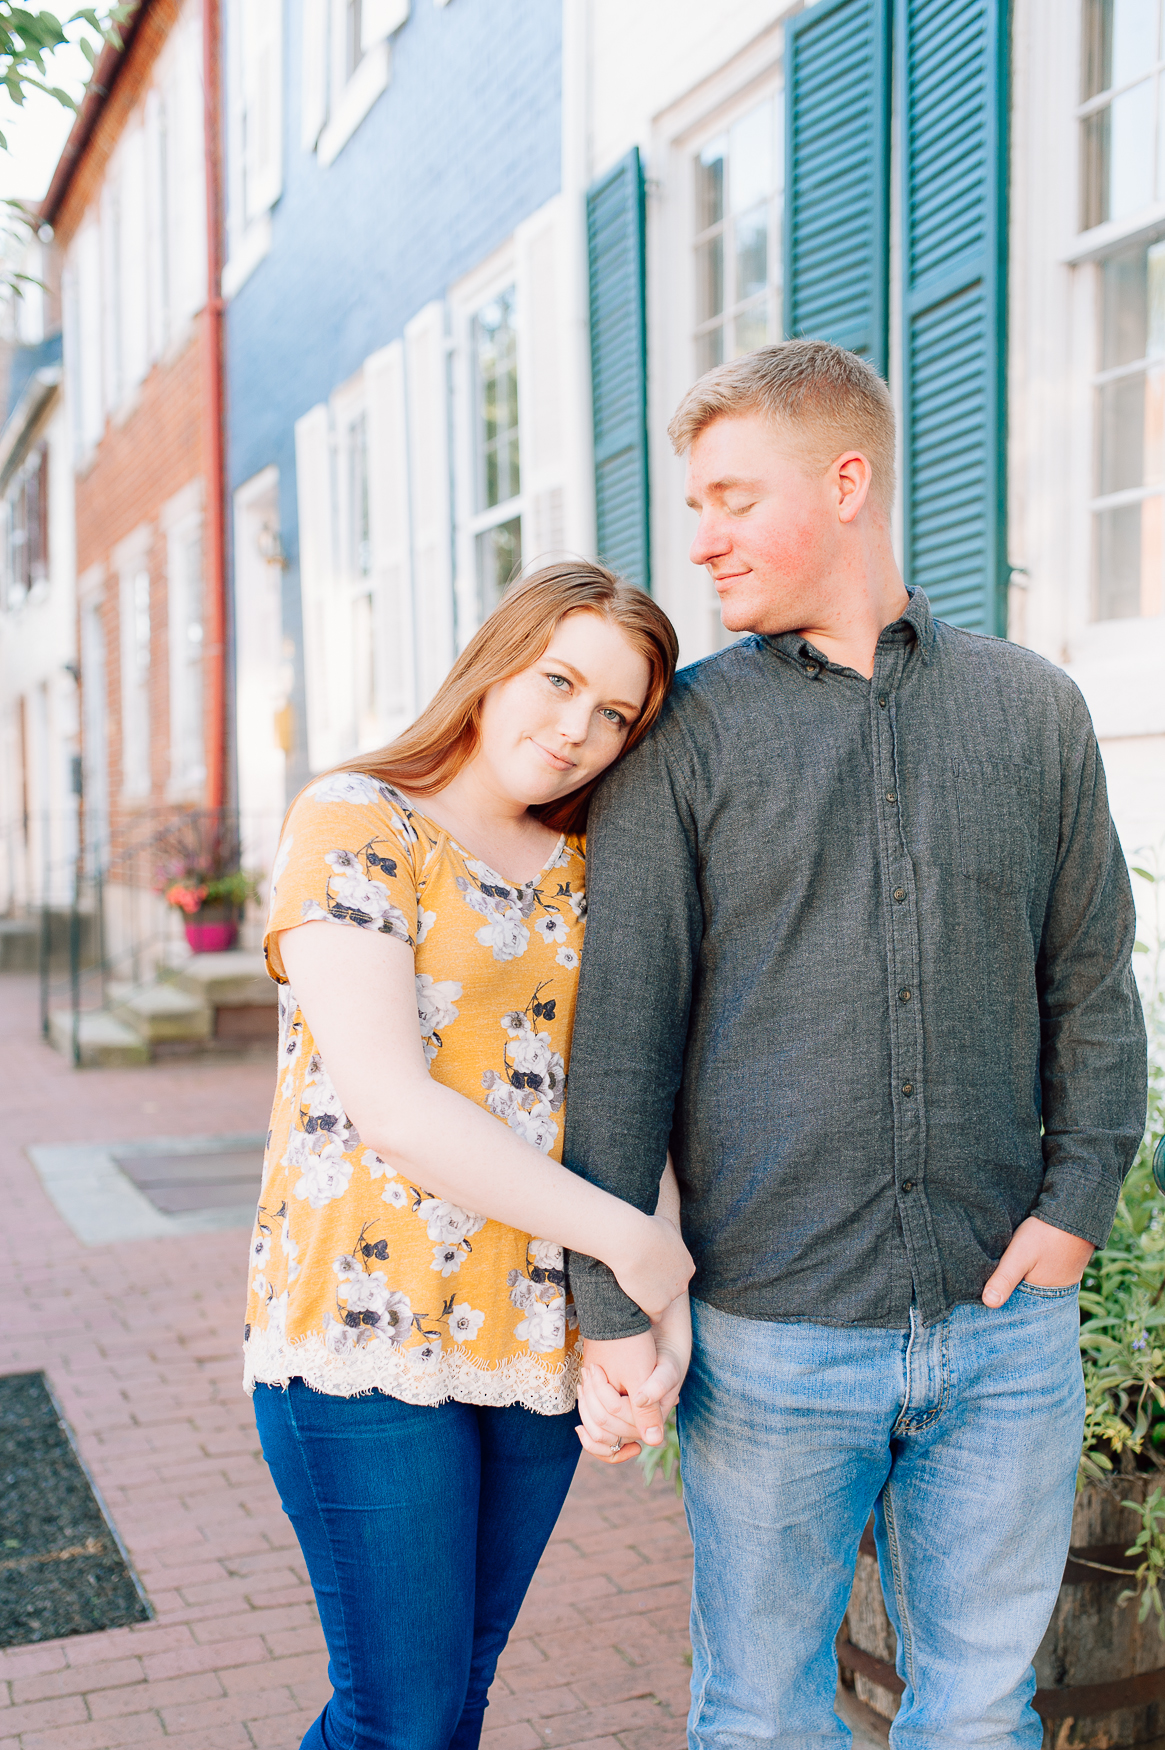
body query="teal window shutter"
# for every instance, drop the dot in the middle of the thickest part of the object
(615, 247)
(952, 62)
(837, 189)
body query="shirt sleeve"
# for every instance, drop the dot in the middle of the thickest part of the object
(644, 926)
(1093, 1067)
(345, 857)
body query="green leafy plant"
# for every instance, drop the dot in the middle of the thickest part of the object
(665, 1458)
(1150, 1546)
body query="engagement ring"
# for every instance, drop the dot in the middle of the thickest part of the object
(618, 1446)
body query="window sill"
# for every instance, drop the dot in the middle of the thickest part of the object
(246, 254)
(360, 93)
(1115, 234)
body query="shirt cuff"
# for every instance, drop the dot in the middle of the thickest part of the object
(605, 1313)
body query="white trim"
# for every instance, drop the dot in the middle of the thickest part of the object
(1116, 234)
(248, 251)
(363, 88)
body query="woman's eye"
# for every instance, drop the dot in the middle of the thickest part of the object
(558, 680)
(613, 716)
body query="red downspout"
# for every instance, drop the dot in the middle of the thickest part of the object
(215, 652)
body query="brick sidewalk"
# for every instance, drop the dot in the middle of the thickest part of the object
(140, 1341)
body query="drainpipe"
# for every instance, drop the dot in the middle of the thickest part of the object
(214, 650)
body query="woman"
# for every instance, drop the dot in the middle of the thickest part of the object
(410, 1343)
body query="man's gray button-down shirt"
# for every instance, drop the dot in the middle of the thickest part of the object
(861, 950)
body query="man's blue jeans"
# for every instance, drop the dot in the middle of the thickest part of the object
(421, 1528)
(962, 1438)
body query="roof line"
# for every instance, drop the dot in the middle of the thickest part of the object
(97, 93)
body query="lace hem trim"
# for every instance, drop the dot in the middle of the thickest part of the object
(269, 1359)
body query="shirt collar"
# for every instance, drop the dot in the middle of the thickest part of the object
(917, 619)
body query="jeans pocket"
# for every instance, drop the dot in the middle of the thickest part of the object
(1039, 1293)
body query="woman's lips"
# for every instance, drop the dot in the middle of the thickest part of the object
(553, 759)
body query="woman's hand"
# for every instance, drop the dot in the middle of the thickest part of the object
(650, 1262)
(618, 1401)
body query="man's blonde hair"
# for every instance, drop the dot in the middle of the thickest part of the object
(834, 400)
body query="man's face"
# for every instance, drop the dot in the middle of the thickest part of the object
(768, 524)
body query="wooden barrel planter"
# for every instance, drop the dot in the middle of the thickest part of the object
(1100, 1673)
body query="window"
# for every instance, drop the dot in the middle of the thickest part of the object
(1129, 427)
(27, 528)
(1122, 131)
(135, 683)
(498, 523)
(187, 743)
(738, 187)
(346, 65)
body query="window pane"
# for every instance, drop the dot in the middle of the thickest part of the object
(710, 185)
(1124, 309)
(1155, 299)
(750, 174)
(495, 347)
(1134, 38)
(752, 252)
(1121, 429)
(752, 328)
(1118, 563)
(1096, 156)
(499, 557)
(709, 350)
(1131, 151)
(710, 278)
(1097, 46)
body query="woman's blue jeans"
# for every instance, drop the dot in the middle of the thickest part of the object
(962, 1438)
(421, 1528)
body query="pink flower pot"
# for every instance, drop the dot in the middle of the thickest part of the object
(213, 938)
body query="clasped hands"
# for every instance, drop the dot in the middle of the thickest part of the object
(629, 1386)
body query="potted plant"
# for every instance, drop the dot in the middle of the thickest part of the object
(201, 876)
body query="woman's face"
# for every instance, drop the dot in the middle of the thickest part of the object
(559, 723)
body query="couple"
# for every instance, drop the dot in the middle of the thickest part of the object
(858, 956)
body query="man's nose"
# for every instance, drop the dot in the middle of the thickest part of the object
(711, 541)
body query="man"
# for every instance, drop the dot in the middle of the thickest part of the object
(859, 946)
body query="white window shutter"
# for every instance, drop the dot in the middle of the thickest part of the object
(133, 266)
(428, 418)
(313, 474)
(543, 347)
(314, 97)
(262, 78)
(388, 502)
(187, 195)
(379, 18)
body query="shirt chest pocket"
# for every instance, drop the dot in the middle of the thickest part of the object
(997, 804)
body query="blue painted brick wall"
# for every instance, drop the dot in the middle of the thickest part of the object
(463, 145)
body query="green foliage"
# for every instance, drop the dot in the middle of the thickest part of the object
(1150, 1546)
(27, 37)
(665, 1458)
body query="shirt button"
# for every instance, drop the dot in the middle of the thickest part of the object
(890, 796)
(908, 1089)
(908, 1184)
(900, 894)
(882, 701)
(904, 995)
(811, 668)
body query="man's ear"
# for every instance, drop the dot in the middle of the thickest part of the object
(853, 476)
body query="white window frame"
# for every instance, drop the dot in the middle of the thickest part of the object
(493, 277)
(182, 524)
(335, 102)
(131, 561)
(683, 589)
(255, 65)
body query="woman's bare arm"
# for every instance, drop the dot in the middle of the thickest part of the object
(357, 991)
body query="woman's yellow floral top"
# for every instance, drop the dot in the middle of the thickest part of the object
(359, 1278)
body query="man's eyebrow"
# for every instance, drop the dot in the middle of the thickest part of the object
(577, 675)
(732, 484)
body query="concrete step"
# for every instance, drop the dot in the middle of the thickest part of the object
(19, 945)
(161, 1011)
(104, 1040)
(233, 980)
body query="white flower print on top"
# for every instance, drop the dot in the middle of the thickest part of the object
(282, 858)
(428, 1355)
(504, 933)
(568, 958)
(448, 1258)
(435, 1009)
(355, 897)
(349, 787)
(289, 1247)
(465, 1323)
(545, 1254)
(325, 1176)
(394, 1192)
(544, 1327)
(425, 922)
(445, 1223)
(553, 927)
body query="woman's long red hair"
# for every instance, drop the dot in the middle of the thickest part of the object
(434, 748)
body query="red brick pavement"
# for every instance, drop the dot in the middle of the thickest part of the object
(140, 1341)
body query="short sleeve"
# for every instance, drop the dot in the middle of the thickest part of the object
(346, 857)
